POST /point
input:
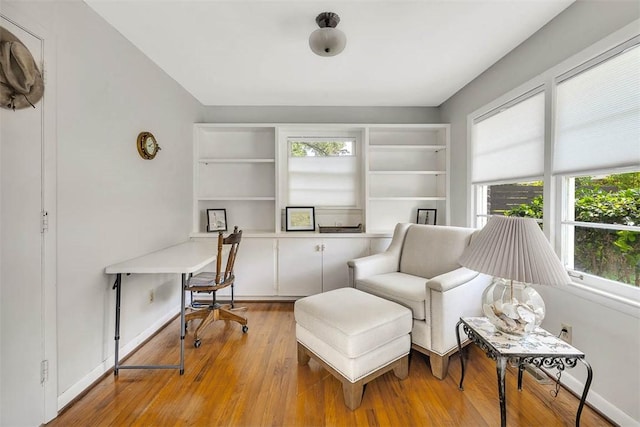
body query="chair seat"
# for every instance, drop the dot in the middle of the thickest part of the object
(206, 282)
(405, 289)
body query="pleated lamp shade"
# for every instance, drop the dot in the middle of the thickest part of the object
(516, 249)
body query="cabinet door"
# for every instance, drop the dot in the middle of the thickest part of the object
(335, 254)
(299, 266)
(255, 269)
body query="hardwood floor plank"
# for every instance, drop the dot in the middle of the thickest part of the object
(254, 379)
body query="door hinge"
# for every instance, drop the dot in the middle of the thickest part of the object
(45, 222)
(44, 371)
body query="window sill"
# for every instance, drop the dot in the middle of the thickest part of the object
(623, 304)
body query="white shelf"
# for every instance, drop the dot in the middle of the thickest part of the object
(407, 147)
(249, 198)
(406, 172)
(433, 198)
(207, 161)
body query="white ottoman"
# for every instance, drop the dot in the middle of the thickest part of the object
(354, 335)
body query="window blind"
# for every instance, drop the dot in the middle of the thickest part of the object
(509, 145)
(598, 116)
(324, 181)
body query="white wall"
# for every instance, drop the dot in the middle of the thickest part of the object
(322, 115)
(607, 331)
(112, 204)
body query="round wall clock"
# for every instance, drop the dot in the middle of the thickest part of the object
(147, 145)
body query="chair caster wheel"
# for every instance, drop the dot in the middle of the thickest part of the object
(197, 343)
(245, 328)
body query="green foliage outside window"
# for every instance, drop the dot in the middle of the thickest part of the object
(614, 199)
(319, 149)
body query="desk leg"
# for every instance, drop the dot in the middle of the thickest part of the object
(460, 354)
(183, 289)
(117, 286)
(501, 366)
(583, 399)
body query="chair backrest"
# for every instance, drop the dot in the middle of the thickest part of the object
(431, 250)
(233, 240)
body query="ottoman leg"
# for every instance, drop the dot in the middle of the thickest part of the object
(352, 393)
(401, 370)
(303, 356)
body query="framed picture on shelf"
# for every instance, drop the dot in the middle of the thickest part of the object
(216, 220)
(300, 218)
(427, 216)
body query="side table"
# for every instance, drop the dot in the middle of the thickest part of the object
(539, 348)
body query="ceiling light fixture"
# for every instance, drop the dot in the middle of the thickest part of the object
(327, 40)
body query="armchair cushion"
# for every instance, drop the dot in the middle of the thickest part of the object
(429, 251)
(405, 289)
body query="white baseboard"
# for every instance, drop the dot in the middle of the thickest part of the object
(72, 392)
(599, 403)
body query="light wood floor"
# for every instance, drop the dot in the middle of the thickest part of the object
(253, 379)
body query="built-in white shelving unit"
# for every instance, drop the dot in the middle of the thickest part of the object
(236, 167)
(406, 171)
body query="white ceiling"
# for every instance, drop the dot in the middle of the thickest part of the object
(399, 53)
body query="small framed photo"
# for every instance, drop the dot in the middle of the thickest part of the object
(300, 218)
(427, 216)
(216, 220)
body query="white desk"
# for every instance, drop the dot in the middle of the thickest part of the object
(185, 258)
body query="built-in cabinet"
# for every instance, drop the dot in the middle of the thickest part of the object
(310, 265)
(242, 168)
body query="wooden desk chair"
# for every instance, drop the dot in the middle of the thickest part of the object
(209, 283)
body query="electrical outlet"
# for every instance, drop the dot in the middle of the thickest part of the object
(566, 333)
(151, 296)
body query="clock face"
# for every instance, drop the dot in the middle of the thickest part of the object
(150, 145)
(147, 145)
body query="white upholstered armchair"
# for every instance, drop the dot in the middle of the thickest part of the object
(420, 270)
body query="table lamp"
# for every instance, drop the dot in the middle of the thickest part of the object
(516, 252)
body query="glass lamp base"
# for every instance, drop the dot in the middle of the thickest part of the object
(513, 307)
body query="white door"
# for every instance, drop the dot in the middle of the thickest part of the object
(22, 396)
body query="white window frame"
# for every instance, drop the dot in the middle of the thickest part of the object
(617, 295)
(567, 232)
(314, 133)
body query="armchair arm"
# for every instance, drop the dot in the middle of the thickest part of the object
(451, 279)
(385, 262)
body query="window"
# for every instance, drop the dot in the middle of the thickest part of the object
(514, 199)
(502, 182)
(311, 147)
(598, 135)
(323, 172)
(592, 168)
(601, 230)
